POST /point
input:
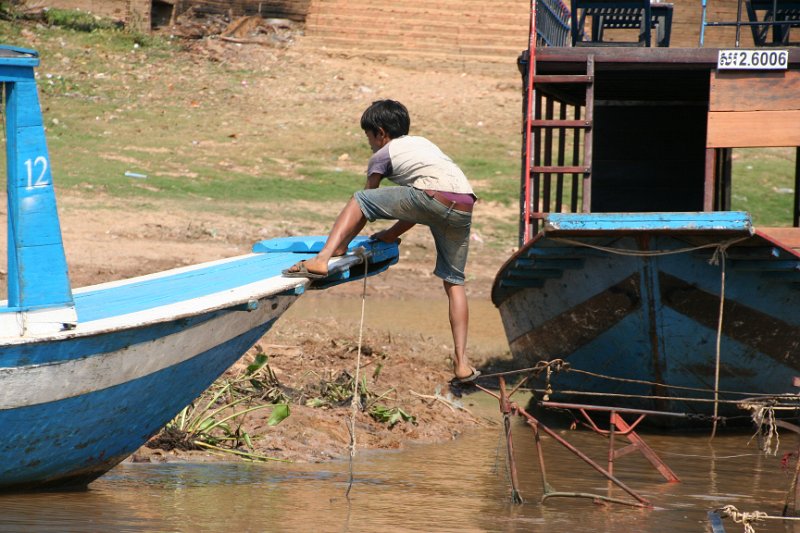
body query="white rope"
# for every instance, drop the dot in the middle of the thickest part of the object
(650, 253)
(764, 418)
(360, 252)
(745, 519)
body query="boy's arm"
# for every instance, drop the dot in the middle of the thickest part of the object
(373, 181)
(391, 234)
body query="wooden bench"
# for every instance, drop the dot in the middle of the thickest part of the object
(628, 15)
(785, 13)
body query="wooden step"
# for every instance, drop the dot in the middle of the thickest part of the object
(563, 78)
(560, 170)
(556, 123)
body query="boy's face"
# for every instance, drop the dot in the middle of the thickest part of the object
(377, 140)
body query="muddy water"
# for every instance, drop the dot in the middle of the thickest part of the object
(460, 486)
(427, 317)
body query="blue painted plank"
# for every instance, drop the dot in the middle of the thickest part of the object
(21, 71)
(47, 285)
(728, 221)
(302, 244)
(38, 276)
(27, 103)
(146, 294)
(34, 222)
(715, 521)
(381, 251)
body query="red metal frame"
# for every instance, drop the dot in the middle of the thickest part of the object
(618, 426)
(507, 407)
(527, 234)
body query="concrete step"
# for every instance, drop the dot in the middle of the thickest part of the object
(502, 53)
(357, 20)
(457, 6)
(416, 14)
(495, 31)
(420, 40)
(494, 65)
(431, 33)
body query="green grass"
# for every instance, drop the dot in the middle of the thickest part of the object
(114, 101)
(763, 184)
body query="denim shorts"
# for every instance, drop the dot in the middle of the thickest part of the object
(449, 227)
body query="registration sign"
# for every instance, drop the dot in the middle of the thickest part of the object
(739, 59)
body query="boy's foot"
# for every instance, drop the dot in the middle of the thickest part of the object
(301, 270)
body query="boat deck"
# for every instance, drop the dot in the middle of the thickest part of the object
(216, 285)
(787, 237)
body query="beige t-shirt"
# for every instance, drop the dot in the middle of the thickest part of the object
(417, 162)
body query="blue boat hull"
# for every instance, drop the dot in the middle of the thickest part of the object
(621, 317)
(68, 442)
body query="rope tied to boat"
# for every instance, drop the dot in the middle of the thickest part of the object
(652, 253)
(361, 252)
(745, 519)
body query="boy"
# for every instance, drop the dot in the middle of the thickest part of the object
(432, 191)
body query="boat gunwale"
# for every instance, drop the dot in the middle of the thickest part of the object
(231, 297)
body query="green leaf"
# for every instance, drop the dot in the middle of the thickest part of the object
(315, 402)
(205, 424)
(257, 364)
(279, 413)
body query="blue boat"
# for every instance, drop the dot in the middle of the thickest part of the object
(88, 375)
(631, 266)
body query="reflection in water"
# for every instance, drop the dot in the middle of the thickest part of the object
(455, 486)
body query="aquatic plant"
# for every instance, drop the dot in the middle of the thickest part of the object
(215, 420)
(339, 392)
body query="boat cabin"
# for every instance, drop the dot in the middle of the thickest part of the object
(627, 110)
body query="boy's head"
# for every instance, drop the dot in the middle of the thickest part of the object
(389, 115)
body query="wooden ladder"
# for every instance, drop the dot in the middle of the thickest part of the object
(543, 159)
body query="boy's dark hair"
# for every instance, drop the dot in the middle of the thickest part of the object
(390, 115)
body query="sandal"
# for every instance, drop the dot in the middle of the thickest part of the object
(467, 379)
(302, 272)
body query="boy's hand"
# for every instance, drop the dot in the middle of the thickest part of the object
(386, 236)
(393, 233)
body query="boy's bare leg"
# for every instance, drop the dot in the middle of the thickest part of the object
(459, 323)
(342, 248)
(348, 224)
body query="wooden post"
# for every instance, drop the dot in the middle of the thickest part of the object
(708, 188)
